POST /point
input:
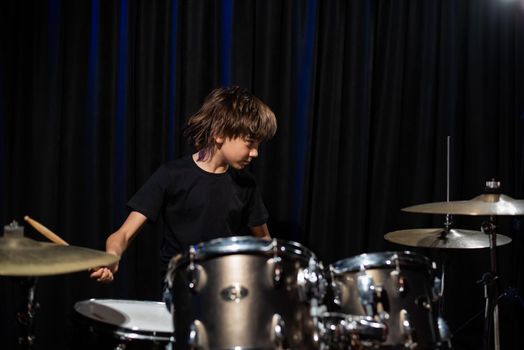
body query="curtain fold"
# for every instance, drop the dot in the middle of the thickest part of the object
(94, 96)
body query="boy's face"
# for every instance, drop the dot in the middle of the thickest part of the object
(237, 152)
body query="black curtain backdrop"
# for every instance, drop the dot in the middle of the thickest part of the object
(93, 95)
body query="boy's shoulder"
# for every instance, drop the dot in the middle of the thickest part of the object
(185, 161)
(242, 177)
(177, 166)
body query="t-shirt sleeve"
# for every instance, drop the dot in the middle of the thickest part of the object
(150, 197)
(257, 212)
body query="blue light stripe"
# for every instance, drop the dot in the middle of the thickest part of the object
(306, 40)
(226, 40)
(120, 121)
(3, 162)
(92, 77)
(171, 126)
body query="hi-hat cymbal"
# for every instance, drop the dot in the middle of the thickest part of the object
(485, 204)
(22, 256)
(438, 238)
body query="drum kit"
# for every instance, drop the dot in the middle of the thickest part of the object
(250, 293)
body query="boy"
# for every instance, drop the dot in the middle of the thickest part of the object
(206, 195)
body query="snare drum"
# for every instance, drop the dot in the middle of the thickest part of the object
(123, 324)
(245, 293)
(393, 287)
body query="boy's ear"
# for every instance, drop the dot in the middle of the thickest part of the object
(219, 140)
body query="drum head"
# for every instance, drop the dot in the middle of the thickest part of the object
(128, 318)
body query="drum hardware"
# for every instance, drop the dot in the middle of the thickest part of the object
(490, 282)
(366, 292)
(311, 282)
(256, 294)
(312, 289)
(277, 264)
(407, 330)
(29, 259)
(399, 277)
(491, 203)
(342, 331)
(394, 288)
(278, 331)
(234, 293)
(26, 317)
(438, 288)
(192, 270)
(197, 336)
(122, 324)
(444, 332)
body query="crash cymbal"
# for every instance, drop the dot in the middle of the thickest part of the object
(438, 238)
(485, 204)
(22, 256)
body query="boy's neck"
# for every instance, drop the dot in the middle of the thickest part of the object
(211, 164)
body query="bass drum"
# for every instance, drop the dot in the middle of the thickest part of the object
(123, 324)
(395, 288)
(243, 293)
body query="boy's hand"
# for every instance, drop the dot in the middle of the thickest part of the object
(104, 274)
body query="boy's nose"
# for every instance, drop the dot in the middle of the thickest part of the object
(253, 153)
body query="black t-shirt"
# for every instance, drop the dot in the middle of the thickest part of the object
(198, 206)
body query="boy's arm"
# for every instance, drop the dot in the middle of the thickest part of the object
(117, 243)
(260, 231)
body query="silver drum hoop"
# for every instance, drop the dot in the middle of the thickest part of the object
(247, 245)
(382, 260)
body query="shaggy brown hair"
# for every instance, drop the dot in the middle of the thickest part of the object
(229, 112)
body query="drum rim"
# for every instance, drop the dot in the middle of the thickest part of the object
(381, 260)
(248, 244)
(120, 332)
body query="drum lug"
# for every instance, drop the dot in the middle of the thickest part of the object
(277, 265)
(444, 332)
(366, 292)
(401, 282)
(277, 272)
(407, 329)
(437, 289)
(192, 270)
(278, 331)
(197, 336)
(423, 302)
(311, 282)
(399, 277)
(337, 293)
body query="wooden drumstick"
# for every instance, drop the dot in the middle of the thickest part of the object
(45, 231)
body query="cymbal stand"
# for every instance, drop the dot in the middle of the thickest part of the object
(490, 282)
(26, 316)
(447, 227)
(443, 258)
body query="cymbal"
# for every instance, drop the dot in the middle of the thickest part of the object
(485, 204)
(435, 238)
(22, 256)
